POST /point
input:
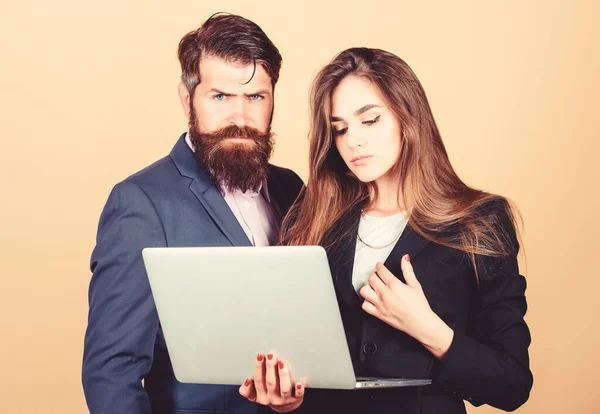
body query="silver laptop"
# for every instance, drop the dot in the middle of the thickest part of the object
(220, 306)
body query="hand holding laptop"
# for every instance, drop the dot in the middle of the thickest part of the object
(273, 385)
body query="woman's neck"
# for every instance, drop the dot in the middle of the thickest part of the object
(389, 199)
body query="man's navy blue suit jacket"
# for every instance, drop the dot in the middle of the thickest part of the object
(170, 203)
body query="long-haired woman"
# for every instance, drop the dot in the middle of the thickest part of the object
(425, 266)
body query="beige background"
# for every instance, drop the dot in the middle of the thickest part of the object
(88, 96)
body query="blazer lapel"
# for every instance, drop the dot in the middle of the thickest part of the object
(411, 243)
(208, 194)
(341, 259)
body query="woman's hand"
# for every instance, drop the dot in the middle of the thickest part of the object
(273, 385)
(405, 307)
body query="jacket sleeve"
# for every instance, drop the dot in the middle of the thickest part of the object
(491, 364)
(122, 321)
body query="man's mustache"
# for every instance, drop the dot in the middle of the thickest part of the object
(234, 131)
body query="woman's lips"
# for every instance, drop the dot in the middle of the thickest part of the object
(361, 160)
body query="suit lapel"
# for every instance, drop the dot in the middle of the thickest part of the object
(218, 209)
(208, 194)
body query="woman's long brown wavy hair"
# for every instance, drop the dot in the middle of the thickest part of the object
(444, 209)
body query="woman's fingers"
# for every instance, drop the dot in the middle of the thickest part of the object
(299, 391)
(409, 273)
(368, 293)
(272, 376)
(259, 377)
(247, 390)
(286, 382)
(273, 385)
(371, 309)
(377, 284)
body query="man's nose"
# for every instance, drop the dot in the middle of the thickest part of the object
(240, 114)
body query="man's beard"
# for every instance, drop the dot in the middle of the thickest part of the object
(233, 165)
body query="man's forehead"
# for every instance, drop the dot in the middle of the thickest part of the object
(227, 73)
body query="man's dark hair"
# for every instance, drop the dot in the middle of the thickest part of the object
(231, 38)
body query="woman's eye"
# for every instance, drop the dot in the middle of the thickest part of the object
(220, 97)
(340, 131)
(372, 121)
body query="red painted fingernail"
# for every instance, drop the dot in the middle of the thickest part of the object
(247, 382)
(259, 357)
(298, 387)
(407, 258)
(280, 364)
(270, 357)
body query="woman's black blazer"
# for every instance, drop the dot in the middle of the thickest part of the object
(488, 360)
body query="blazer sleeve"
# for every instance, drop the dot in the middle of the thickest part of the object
(491, 364)
(122, 321)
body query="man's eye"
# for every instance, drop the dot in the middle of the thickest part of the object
(220, 97)
(256, 97)
(372, 121)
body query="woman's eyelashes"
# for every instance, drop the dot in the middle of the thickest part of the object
(342, 131)
(371, 121)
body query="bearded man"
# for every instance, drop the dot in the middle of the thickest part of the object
(215, 188)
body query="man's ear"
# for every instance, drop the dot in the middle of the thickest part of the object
(184, 98)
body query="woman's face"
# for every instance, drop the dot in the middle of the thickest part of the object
(367, 133)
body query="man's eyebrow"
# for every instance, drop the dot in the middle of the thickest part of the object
(219, 92)
(260, 92)
(358, 112)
